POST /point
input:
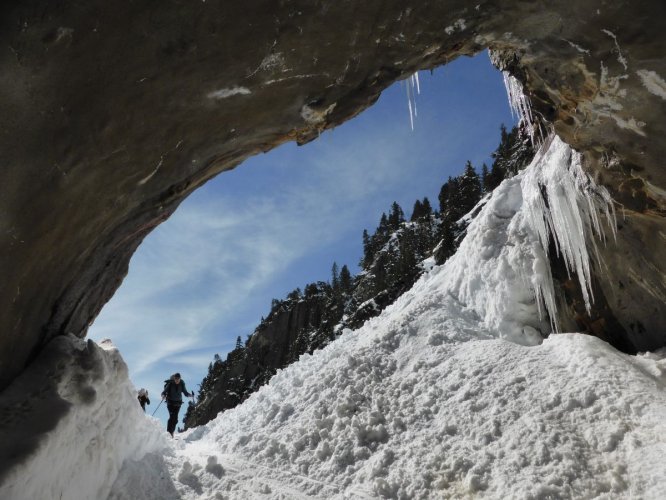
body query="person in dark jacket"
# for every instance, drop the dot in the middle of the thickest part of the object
(143, 398)
(174, 388)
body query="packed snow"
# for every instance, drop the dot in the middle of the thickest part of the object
(450, 393)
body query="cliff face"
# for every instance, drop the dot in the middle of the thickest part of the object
(113, 112)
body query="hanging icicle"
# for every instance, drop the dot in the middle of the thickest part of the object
(563, 205)
(521, 108)
(413, 88)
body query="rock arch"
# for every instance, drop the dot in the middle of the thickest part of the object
(114, 112)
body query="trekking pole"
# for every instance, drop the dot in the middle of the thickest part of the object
(152, 414)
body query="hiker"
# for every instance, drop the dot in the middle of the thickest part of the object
(174, 388)
(143, 398)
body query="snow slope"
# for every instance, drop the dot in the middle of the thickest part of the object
(450, 392)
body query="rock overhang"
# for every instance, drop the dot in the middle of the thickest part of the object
(114, 113)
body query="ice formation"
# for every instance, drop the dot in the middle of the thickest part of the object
(521, 107)
(413, 88)
(563, 205)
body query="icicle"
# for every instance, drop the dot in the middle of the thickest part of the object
(409, 104)
(563, 204)
(521, 108)
(412, 84)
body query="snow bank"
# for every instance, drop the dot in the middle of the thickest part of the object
(416, 405)
(428, 400)
(402, 419)
(69, 422)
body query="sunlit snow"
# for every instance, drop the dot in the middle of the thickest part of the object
(450, 392)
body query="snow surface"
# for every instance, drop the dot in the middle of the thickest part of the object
(430, 400)
(450, 393)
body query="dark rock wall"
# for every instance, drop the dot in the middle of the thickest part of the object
(111, 113)
(273, 346)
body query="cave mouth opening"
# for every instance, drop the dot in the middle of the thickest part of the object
(206, 276)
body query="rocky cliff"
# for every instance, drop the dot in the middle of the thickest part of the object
(113, 112)
(292, 328)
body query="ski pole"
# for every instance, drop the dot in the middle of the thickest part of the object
(152, 414)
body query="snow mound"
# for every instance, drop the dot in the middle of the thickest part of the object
(568, 419)
(69, 422)
(430, 400)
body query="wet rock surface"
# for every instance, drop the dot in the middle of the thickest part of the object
(113, 112)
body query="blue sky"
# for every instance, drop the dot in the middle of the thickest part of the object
(279, 220)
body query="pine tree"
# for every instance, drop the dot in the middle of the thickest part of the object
(346, 284)
(239, 344)
(447, 244)
(485, 179)
(448, 194)
(417, 211)
(407, 263)
(311, 290)
(427, 208)
(335, 277)
(295, 295)
(470, 189)
(396, 216)
(368, 251)
(383, 225)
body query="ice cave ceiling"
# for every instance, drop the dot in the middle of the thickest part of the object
(113, 112)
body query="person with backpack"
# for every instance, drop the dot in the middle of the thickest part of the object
(143, 398)
(174, 388)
